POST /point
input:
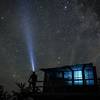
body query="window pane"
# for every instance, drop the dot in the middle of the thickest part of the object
(77, 74)
(89, 74)
(77, 67)
(89, 82)
(78, 82)
(68, 75)
(68, 82)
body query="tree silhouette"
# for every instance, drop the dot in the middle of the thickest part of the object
(4, 95)
(23, 92)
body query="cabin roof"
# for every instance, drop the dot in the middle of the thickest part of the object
(65, 67)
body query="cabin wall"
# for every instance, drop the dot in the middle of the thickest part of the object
(82, 79)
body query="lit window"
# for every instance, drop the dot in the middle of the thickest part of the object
(68, 75)
(78, 77)
(78, 82)
(89, 82)
(77, 74)
(77, 67)
(89, 74)
(68, 82)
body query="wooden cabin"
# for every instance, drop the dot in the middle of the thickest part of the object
(70, 78)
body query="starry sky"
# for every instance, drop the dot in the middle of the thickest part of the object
(47, 33)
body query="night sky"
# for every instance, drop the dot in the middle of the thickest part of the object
(47, 33)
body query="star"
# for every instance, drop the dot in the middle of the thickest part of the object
(58, 62)
(64, 39)
(65, 7)
(17, 51)
(41, 7)
(14, 75)
(82, 17)
(68, 2)
(59, 58)
(58, 31)
(2, 17)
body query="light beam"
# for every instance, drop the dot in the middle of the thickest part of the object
(26, 27)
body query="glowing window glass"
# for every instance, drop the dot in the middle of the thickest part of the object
(89, 82)
(68, 75)
(77, 74)
(77, 67)
(68, 82)
(89, 74)
(78, 82)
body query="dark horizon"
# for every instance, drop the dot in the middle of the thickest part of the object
(57, 84)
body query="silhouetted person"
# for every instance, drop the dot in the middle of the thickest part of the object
(32, 81)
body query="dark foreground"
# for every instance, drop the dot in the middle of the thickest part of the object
(66, 96)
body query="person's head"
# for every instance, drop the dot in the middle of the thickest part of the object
(33, 73)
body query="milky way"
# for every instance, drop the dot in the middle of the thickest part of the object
(62, 32)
